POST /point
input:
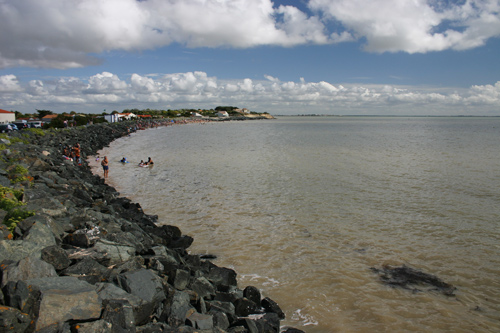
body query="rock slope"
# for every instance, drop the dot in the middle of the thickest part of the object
(89, 260)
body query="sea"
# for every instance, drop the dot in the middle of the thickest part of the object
(305, 208)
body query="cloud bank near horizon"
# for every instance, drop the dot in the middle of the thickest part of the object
(198, 90)
(72, 33)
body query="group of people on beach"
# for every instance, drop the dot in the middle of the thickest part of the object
(73, 153)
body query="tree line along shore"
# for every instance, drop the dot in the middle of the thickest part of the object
(77, 257)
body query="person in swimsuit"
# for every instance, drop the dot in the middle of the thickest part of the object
(150, 161)
(105, 166)
(76, 153)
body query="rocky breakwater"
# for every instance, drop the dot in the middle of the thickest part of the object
(84, 259)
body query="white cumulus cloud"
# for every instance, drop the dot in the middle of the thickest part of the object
(198, 90)
(73, 33)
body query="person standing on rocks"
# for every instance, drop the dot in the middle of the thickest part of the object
(76, 152)
(105, 166)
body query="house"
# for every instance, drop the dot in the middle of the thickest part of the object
(196, 115)
(222, 114)
(111, 118)
(48, 118)
(244, 110)
(144, 115)
(7, 116)
(126, 116)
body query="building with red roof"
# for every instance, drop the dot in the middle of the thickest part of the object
(7, 116)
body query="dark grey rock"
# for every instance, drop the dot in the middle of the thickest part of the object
(180, 308)
(200, 321)
(16, 294)
(13, 320)
(269, 322)
(56, 256)
(252, 293)
(182, 242)
(98, 326)
(31, 267)
(119, 313)
(203, 288)
(77, 239)
(142, 283)
(248, 324)
(88, 270)
(16, 250)
(243, 307)
(147, 286)
(47, 205)
(271, 306)
(78, 298)
(223, 278)
(221, 320)
(180, 279)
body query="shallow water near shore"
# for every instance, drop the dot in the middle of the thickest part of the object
(302, 207)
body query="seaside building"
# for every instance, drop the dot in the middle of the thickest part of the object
(48, 118)
(126, 116)
(222, 114)
(7, 116)
(111, 118)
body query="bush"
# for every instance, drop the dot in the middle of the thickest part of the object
(18, 173)
(10, 201)
(15, 216)
(37, 131)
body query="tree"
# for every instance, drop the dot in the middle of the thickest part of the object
(225, 108)
(43, 113)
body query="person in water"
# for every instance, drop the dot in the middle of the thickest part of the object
(150, 161)
(142, 163)
(124, 160)
(105, 166)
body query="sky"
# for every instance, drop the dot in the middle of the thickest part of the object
(286, 57)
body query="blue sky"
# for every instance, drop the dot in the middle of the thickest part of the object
(394, 57)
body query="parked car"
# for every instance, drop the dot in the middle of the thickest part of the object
(20, 125)
(5, 128)
(14, 127)
(35, 124)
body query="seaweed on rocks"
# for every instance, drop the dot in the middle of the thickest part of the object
(114, 267)
(406, 277)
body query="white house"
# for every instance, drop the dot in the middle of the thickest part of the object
(244, 110)
(196, 115)
(7, 116)
(111, 118)
(222, 114)
(126, 116)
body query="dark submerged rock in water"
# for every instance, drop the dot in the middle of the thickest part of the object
(405, 277)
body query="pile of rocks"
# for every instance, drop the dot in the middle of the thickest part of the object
(92, 261)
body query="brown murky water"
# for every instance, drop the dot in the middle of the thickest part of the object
(302, 208)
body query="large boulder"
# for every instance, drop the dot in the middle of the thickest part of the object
(50, 295)
(145, 285)
(30, 267)
(56, 256)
